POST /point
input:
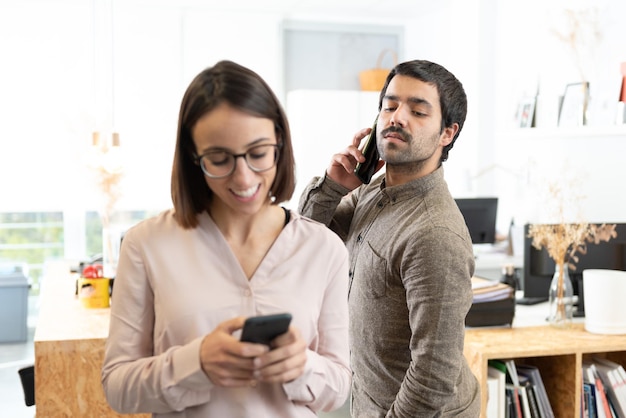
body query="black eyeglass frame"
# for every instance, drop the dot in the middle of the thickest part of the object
(277, 147)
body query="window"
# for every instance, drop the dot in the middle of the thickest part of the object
(30, 238)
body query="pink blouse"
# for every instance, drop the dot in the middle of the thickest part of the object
(174, 286)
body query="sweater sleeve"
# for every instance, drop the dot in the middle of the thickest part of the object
(134, 379)
(439, 295)
(328, 202)
(325, 384)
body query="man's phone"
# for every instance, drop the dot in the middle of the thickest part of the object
(365, 170)
(263, 329)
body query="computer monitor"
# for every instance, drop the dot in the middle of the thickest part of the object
(480, 217)
(539, 267)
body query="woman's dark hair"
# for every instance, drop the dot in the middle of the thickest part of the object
(245, 90)
(452, 98)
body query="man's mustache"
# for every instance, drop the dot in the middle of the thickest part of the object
(397, 130)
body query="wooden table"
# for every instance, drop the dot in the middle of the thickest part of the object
(69, 351)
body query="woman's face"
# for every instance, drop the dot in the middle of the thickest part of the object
(227, 130)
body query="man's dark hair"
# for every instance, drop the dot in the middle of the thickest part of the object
(452, 98)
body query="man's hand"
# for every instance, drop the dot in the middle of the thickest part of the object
(342, 165)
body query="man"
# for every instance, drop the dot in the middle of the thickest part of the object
(411, 258)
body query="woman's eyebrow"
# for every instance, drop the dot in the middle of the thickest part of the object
(259, 141)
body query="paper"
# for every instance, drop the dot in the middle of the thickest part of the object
(489, 290)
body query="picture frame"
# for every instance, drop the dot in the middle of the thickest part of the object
(573, 111)
(526, 112)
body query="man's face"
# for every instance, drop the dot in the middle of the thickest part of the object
(409, 127)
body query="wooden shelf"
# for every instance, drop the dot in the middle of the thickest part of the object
(558, 353)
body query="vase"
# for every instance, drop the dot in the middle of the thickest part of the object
(561, 298)
(110, 247)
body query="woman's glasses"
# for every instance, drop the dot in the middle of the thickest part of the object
(220, 163)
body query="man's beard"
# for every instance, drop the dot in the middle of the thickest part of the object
(402, 162)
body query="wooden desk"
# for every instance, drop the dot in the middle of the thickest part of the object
(69, 351)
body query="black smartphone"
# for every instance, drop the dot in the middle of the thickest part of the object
(365, 170)
(263, 329)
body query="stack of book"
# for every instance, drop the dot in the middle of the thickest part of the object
(516, 391)
(493, 303)
(604, 389)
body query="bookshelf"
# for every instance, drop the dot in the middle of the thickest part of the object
(558, 353)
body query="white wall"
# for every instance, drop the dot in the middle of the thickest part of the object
(323, 123)
(501, 51)
(71, 67)
(45, 69)
(529, 55)
(56, 79)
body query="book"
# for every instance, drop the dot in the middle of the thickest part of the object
(524, 403)
(613, 384)
(543, 402)
(511, 410)
(535, 412)
(620, 377)
(590, 375)
(496, 403)
(516, 401)
(486, 290)
(515, 387)
(588, 401)
(493, 397)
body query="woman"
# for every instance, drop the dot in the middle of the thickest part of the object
(188, 278)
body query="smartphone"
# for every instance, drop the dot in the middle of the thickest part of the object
(365, 170)
(263, 329)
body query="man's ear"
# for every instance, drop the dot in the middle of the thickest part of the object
(448, 134)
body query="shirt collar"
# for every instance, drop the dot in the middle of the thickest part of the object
(414, 188)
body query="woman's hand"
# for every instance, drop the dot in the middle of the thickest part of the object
(227, 361)
(285, 362)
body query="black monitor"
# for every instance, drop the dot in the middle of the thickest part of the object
(539, 267)
(480, 217)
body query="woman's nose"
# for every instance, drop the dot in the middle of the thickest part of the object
(242, 170)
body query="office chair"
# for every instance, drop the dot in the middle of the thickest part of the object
(27, 377)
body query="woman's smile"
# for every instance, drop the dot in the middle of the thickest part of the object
(247, 193)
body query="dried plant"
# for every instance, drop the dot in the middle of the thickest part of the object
(109, 185)
(106, 164)
(564, 240)
(581, 35)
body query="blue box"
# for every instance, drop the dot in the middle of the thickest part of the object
(13, 305)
